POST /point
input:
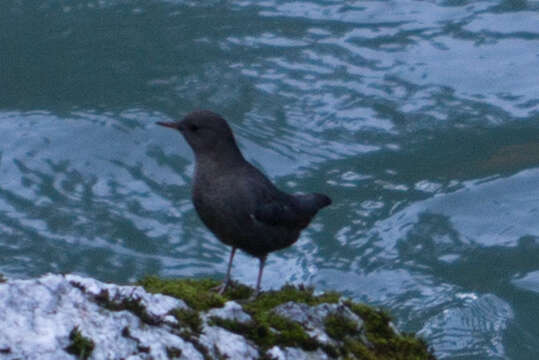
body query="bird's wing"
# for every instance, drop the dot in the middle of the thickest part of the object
(266, 203)
(277, 212)
(276, 208)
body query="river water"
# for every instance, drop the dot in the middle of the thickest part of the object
(419, 118)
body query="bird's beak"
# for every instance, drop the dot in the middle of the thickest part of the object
(173, 125)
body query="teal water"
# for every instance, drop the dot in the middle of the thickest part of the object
(419, 118)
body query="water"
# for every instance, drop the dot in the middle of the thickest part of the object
(419, 118)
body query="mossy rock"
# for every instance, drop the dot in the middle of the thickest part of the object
(189, 318)
(383, 342)
(376, 340)
(195, 292)
(133, 305)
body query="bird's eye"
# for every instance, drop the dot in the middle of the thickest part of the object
(193, 127)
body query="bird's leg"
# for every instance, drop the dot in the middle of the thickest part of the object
(221, 288)
(229, 270)
(260, 269)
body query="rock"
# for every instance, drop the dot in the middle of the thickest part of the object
(288, 353)
(74, 317)
(231, 311)
(156, 305)
(38, 315)
(224, 344)
(312, 318)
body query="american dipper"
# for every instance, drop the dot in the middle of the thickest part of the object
(240, 206)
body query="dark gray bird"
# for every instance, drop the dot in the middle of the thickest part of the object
(235, 200)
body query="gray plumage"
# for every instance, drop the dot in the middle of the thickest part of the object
(234, 199)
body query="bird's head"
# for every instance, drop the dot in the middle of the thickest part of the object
(206, 132)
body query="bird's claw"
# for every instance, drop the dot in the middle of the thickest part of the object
(221, 288)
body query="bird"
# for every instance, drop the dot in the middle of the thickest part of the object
(235, 200)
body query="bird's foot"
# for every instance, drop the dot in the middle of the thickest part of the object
(221, 288)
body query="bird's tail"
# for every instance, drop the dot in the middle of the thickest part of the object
(313, 202)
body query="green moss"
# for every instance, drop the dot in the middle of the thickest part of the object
(80, 345)
(385, 343)
(300, 294)
(196, 293)
(354, 349)
(267, 329)
(238, 292)
(376, 321)
(348, 335)
(173, 352)
(189, 318)
(338, 326)
(130, 304)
